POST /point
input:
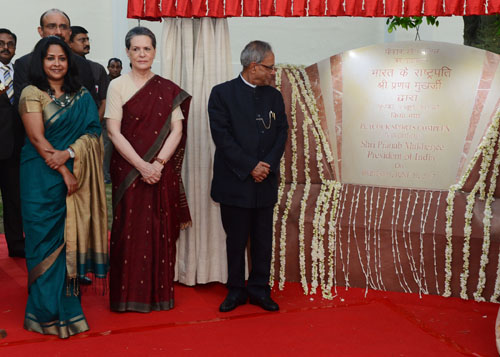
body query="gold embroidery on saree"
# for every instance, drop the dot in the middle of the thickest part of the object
(63, 329)
(43, 266)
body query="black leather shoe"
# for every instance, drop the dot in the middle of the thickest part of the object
(231, 302)
(84, 280)
(264, 302)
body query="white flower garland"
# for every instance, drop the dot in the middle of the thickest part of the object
(413, 264)
(313, 108)
(434, 241)
(307, 188)
(281, 190)
(322, 225)
(486, 229)
(487, 225)
(327, 189)
(450, 199)
(471, 200)
(394, 234)
(328, 197)
(303, 97)
(327, 293)
(367, 226)
(291, 192)
(315, 241)
(378, 235)
(425, 215)
(480, 186)
(339, 237)
(486, 149)
(317, 245)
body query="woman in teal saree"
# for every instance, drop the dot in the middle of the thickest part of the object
(62, 191)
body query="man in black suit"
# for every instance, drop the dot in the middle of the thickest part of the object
(249, 128)
(53, 22)
(79, 43)
(11, 141)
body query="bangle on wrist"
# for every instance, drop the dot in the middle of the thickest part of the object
(71, 153)
(161, 161)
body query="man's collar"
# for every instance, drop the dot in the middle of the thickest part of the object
(247, 83)
(10, 65)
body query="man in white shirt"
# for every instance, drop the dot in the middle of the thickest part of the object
(11, 141)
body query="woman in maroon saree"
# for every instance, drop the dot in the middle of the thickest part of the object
(145, 122)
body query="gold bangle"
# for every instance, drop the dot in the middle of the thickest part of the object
(161, 161)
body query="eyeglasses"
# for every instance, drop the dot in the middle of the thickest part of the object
(11, 45)
(62, 27)
(83, 40)
(271, 68)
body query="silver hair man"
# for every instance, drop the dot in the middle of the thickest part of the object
(254, 52)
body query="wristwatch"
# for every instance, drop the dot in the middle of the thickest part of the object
(71, 153)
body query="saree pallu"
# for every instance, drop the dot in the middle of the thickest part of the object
(147, 218)
(53, 306)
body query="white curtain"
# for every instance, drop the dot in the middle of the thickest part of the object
(196, 55)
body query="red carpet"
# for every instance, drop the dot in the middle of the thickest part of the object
(382, 324)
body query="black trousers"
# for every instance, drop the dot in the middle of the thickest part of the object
(240, 224)
(12, 218)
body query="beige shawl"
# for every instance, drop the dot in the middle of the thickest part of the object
(85, 232)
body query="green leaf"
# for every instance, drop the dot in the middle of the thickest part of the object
(410, 22)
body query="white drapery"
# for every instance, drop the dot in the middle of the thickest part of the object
(196, 55)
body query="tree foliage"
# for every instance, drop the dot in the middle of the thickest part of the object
(482, 31)
(410, 22)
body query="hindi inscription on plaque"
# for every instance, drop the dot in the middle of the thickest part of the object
(410, 111)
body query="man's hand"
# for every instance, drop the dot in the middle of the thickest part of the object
(260, 172)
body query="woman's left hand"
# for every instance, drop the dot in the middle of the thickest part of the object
(57, 158)
(70, 181)
(158, 167)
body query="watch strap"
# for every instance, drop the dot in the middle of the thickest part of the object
(71, 153)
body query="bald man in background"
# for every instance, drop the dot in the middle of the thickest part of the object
(53, 22)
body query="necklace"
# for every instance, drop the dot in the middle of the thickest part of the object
(60, 102)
